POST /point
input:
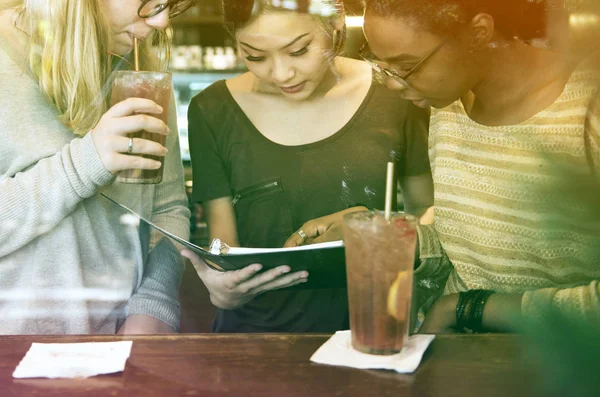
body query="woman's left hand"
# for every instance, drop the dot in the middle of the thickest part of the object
(441, 318)
(320, 230)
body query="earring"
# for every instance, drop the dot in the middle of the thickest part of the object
(338, 40)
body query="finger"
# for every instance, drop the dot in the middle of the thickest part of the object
(127, 162)
(322, 228)
(329, 235)
(282, 282)
(141, 122)
(320, 239)
(199, 265)
(140, 146)
(293, 241)
(264, 278)
(296, 240)
(315, 228)
(238, 277)
(134, 105)
(427, 217)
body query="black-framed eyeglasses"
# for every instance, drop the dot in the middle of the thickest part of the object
(150, 8)
(366, 54)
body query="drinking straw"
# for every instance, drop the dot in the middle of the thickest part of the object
(136, 54)
(389, 190)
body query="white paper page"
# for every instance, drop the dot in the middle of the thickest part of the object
(242, 251)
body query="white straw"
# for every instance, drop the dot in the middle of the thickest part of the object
(389, 190)
(136, 54)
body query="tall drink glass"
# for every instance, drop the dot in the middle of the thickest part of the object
(379, 265)
(148, 85)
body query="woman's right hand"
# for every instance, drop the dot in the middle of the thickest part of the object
(230, 290)
(127, 117)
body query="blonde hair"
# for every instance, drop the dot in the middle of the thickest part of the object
(69, 54)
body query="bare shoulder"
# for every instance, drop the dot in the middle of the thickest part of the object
(243, 83)
(356, 77)
(354, 70)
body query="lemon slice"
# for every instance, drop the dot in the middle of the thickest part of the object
(395, 307)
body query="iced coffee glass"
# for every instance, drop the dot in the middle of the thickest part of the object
(379, 266)
(148, 85)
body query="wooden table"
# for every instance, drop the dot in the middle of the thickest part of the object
(279, 366)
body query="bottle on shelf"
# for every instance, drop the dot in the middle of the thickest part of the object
(219, 61)
(195, 57)
(230, 58)
(209, 55)
(179, 60)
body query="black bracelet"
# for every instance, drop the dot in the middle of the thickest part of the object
(460, 311)
(476, 321)
(469, 310)
(466, 312)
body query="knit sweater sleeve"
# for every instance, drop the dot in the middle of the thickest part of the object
(37, 199)
(158, 292)
(592, 137)
(36, 194)
(582, 301)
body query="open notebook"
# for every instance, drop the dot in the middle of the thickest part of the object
(325, 262)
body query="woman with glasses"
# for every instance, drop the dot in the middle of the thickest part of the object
(303, 135)
(70, 263)
(515, 156)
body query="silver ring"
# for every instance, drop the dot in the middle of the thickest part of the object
(302, 234)
(130, 147)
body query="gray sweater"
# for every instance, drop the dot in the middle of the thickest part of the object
(70, 261)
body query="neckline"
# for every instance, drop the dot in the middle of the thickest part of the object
(530, 120)
(222, 84)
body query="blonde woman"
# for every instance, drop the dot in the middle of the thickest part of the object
(69, 264)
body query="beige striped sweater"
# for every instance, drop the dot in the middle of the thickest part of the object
(514, 210)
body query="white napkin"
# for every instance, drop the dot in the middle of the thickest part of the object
(338, 351)
(73, 360)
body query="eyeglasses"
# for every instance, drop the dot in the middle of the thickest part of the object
(151, 8)
(377, 65)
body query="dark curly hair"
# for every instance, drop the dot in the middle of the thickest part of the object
(524, 20)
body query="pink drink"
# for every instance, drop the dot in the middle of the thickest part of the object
(148, 85)
(379, 265)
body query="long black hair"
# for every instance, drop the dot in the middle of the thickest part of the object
(239, 13)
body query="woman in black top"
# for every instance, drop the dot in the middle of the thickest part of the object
(304, 134)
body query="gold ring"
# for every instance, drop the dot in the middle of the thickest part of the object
(302, 234)
(130, 147)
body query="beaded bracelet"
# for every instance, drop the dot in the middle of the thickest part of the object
(469, 310)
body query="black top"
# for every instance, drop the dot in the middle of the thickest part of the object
(278, 188)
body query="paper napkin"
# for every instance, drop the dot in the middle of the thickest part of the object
(73, 360)
(338, 351)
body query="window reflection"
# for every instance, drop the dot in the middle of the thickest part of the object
(283, 117)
